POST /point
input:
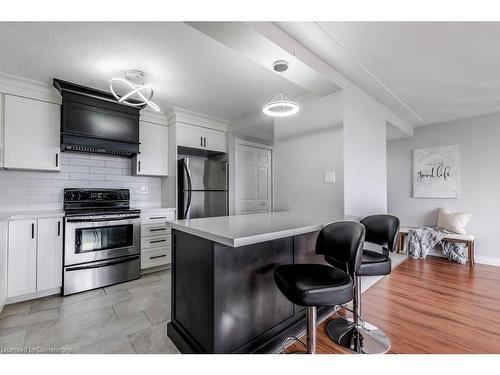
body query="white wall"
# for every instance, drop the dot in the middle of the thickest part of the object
(3, 263)
(32, 190)
(365, 166)
(305, 146)
(479, 155)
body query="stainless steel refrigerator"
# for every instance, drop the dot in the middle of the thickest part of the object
(203, 190)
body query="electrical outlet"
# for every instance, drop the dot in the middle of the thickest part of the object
(144, 189)
(329, 178)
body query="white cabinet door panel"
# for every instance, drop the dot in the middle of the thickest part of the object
(49, 254)
(22, 258)
(214, 140)
(153, 157)
(190, 136)
(31, 134)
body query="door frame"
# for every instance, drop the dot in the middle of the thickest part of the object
(241, 142)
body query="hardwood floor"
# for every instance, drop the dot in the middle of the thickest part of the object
(433, 306)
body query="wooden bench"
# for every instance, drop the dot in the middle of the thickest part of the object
(467, 239)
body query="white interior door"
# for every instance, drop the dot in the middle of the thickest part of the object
(253, 189)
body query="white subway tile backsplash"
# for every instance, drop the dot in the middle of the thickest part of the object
(86, 176)
(71, 183)
(31, 190)
(76, 168)
(124, 163)
(106, 170)
(87, 162)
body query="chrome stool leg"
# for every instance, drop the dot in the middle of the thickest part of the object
(354, 336)
(311, 334)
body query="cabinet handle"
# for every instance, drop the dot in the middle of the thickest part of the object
(33, 230)
(157, 229)
(158, 256)
(156, 241)
(58, 229)
(157, 217)
(204, 142)
(201, 141)
(57, 160)
(139, 165)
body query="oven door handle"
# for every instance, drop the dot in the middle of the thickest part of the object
(79, 268)
(103, 219)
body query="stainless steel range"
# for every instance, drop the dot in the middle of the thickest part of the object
(102, 237)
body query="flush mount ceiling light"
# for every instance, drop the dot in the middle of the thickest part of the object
(138, 93)
(280, 106)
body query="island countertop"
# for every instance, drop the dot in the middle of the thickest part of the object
(241, 230)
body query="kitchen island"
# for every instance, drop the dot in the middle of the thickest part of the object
(224, 299)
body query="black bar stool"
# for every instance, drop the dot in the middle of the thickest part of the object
(316, 285)
(356, 334)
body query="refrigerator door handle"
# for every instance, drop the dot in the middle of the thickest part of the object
(188, 205)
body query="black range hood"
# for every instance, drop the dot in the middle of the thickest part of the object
(94, 121)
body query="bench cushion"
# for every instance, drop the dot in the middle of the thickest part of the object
(451, 236)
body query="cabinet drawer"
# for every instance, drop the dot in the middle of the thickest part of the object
(155, 241)
(158, 217)
(155, 257)
(154, 230)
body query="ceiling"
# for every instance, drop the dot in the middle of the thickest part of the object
(186, 68)
(426, 72)
(261, 131)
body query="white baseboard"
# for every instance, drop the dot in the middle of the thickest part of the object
(2, 303)
(26, 297)
(492, 261)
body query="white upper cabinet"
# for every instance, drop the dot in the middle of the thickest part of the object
(189, 136)
(31, 134)
(153, 157)
(201, 138)
(214, 140)
(49, 254)
(22, 257)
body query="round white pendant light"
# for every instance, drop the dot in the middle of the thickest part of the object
(281, 106)
(138, 94)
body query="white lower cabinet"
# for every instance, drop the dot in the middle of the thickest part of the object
(34, 256)
(156, 237)
(22, 258)
(49, 254)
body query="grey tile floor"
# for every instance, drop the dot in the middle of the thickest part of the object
(125, 318)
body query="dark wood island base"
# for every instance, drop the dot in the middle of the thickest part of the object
(224, 299)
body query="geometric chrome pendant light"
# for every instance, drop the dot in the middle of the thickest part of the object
(280, 106)
(138, 94)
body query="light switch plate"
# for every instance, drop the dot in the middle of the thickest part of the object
(144, 189)
(329, 178)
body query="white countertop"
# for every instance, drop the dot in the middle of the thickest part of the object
(19, 215)
(241, 230)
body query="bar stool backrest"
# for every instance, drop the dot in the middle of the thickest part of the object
(343, 243)
(381, 230)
